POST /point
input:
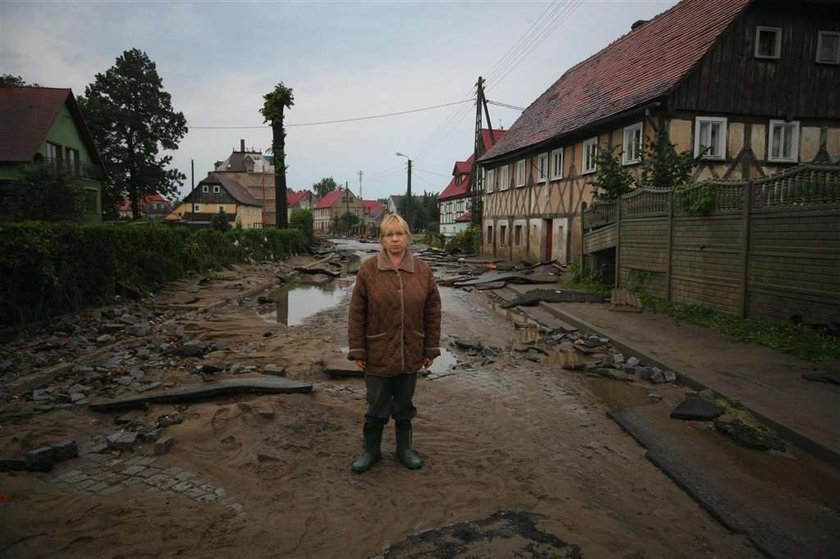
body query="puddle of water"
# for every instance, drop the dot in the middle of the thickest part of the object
(616, 394)
(296, 302)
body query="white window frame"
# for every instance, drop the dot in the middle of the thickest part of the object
(216, 189)
(788, 127)
(196, 208)
(557, 156)
(542, 167)
(820, 36)
(205, 188)
(221, 209)
(633, 142)
(587, 156)
(504, 177)
(521, 172)
(719, 152)
(777, 31)
(490, 181)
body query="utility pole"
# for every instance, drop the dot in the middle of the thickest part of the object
(476, 194)
(360, 187)
(407, 205)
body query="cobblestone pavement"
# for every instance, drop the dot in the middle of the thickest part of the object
(100, 474)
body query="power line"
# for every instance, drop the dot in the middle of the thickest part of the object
(505, 105)
(335, 121)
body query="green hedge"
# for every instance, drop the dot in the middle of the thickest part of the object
(47, 269)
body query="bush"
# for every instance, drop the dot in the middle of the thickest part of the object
(303, 220)
(46, 269)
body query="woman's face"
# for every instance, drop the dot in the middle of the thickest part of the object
(395, 241)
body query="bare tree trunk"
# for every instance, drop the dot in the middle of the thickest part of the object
(281, 219)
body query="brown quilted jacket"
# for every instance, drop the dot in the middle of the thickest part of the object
(394, 319)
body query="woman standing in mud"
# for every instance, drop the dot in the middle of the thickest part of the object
(394, 331)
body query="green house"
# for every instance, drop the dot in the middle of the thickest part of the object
(46, 124)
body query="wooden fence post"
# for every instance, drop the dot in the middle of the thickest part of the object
(745, 248)
(582, 239)
(670, 253)
(619, 200)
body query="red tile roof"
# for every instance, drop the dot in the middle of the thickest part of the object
(464, 218)
(329, 199)
(459, 189)
(28, 113)
(635, 69)
(125, 206)
(372, 205)
(293, 197)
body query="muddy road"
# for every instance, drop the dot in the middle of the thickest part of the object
(519, 457)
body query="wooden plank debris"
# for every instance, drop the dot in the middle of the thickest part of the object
(206, 390)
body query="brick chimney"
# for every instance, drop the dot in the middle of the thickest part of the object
(242, 145)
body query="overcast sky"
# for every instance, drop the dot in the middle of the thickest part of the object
(343, 60)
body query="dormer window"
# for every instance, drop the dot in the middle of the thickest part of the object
(205, 188)
(828, 47)
(216, 189)
(768, 42)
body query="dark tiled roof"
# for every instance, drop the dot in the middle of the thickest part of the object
(26, 116)
(638, 68)
(236, 190)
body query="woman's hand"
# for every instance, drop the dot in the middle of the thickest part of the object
(361, 364)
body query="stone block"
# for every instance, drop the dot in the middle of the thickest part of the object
(65, 450)
(122, 441)
(40, 459)
(163, 445)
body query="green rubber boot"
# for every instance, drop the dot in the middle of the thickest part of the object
(405, 455)
(372, 443)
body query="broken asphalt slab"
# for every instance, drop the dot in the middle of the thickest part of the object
(535, 296)
(509, 277)
(205, 390)
(503, 534)
(790, 509)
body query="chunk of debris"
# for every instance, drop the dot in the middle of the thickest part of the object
(40, 459)
(162, 446)
(124, 440)
(747, 435)
(697, 409)
(535, 296)
(342, 368)
(203, 391)
(830, 377)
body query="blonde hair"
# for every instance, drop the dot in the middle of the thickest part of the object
(393, 221)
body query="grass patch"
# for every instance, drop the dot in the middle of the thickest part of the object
(782, 336)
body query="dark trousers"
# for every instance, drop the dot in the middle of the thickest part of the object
(390, 397)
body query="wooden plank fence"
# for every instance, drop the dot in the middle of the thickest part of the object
(768, 247)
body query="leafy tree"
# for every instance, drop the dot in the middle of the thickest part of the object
(663, 166)
(611, 178)
(8, 80)
(44, 192)
(132, 119)
(305, 221)
(220, 221)
(275, 103)
(348, 220)
(324, 186)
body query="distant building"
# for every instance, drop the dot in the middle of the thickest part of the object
(42, 124)
(333, 205)
(215, 194)
(254, 171)
(455, 202)
(303, 200)
(152, 206)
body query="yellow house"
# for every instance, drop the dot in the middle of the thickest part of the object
(218, 193)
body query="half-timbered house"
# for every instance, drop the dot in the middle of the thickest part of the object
(750, 86)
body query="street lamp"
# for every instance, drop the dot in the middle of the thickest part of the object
(407, 190)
